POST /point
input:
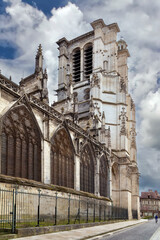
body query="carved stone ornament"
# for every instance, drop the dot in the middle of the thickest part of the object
(115, 170)
(132, 104)
(108, 134)
(123, 119)
(95, 81)
(129, 172)
(122, 85)
(133, 135)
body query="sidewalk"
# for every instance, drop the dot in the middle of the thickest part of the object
(85, 233)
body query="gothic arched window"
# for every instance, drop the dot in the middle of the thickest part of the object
(62, 159)
(86, 170)
(103, 176)
(20, 145)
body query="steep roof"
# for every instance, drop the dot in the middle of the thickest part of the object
(150, 194)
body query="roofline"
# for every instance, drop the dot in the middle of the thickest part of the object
(60, 41)
(8, 80)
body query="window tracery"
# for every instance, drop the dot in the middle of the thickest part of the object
(21, 145)
(86, 170)
(62, 159)
(103, 176)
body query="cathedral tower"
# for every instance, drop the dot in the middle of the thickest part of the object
(93, 79)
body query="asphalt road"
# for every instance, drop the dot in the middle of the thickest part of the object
(143, 231)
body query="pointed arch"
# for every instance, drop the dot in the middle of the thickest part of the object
(87, 169)
(103, 176)
(21, 144)
(115, 176)
(62, 158)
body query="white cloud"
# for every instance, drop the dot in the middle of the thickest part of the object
(150, 124)
(139, 25)
(25, 27)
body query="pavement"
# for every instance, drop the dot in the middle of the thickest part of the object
(85, 233)
(156, 235)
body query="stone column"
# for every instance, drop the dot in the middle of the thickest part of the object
(110, 181)
(46, 148)
(46, 166)
(77, 172)
(96, 182)
(82, 64)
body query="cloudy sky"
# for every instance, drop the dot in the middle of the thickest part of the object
(26, 23)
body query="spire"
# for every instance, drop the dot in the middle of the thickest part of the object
(39, 59)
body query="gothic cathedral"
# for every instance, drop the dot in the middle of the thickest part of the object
(86, 140)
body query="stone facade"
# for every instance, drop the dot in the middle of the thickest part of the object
(87, 139)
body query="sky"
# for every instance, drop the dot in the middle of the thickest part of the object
(24, 24)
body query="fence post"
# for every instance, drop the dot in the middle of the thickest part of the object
(87, 210)
(13, 227)
(14, 209)
(69, 199)
(38, 213)
(56, 210)
(104, 212)
(99, 212)
(94, 212)
(79, 210)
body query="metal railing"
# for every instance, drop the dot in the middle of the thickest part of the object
(21, 209)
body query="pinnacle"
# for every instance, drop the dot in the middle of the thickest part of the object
(39, 51)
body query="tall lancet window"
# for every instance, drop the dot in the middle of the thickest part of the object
(87, 170)
(103, 176)
(62, 159)
(20, 145)
(88, 61)
(76, 65)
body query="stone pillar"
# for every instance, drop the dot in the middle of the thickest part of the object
(125, 189)
(135, 194)
(110, 181)
(96, 182)
(82, 65)
(46, 167)
(77, 172)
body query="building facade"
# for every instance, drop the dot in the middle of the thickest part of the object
(87, 139)
(150, 204)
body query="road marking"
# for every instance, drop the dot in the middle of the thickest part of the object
(156, 235)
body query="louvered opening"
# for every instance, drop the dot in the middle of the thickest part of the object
(76, 65)
(88, 65)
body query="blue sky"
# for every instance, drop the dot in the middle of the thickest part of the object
(25, 24)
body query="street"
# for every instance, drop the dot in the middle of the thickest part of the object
(146, 231)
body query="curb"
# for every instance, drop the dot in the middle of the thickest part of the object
(118, 229)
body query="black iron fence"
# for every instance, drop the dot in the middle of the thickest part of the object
(29, 209)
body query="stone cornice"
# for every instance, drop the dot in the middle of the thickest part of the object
(9, 86)
(64, 40)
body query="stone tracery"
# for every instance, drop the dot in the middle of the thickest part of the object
(62, 159)
(21, 145)
(86, 170)
(103, 176)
